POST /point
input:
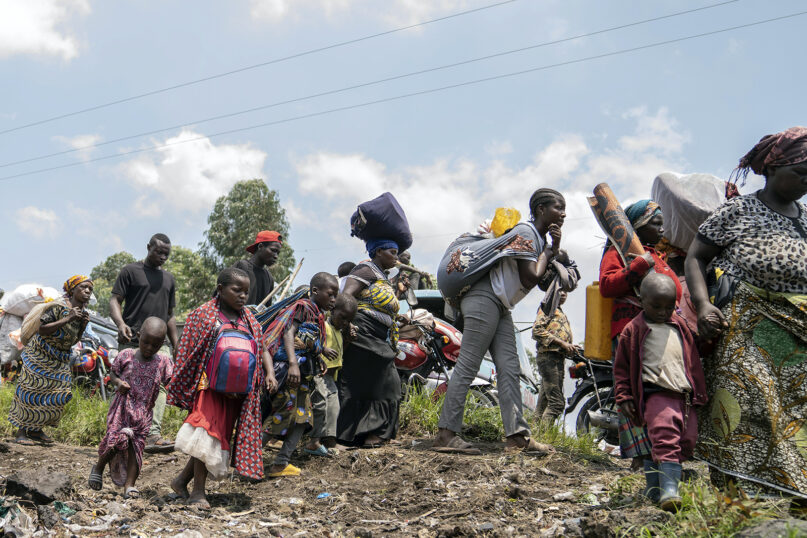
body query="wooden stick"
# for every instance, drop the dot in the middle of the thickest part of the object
(274, 291)
(291, 280)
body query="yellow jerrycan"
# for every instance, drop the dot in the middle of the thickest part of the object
(598, 324)
(504, 219)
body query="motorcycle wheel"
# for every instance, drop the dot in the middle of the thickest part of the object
(583, 425)
(481, 397)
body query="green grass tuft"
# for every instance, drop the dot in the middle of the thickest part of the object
(84, 419)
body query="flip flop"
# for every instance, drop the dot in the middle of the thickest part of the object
(288, 470)
(158, 446)
(131, 493)
(40, 437)
(96, 480)
(320, 452)
(458, 446)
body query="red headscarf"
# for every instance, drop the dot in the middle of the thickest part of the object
(774, 150)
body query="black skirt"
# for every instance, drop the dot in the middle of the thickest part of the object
(369, 386)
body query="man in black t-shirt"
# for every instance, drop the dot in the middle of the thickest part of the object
(145, 289)
(265, 250)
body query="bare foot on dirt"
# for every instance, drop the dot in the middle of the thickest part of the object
(313, 445)
(180, 488)
(521, 443)
(198, 499)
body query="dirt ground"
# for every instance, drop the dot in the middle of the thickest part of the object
(404, 490)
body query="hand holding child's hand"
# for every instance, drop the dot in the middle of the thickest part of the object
(294, 374)
(629, 410)
(331, 353)
(271, 383)
(123, 387)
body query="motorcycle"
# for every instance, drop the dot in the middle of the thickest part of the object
(598, 415)
(428, 349)
(90, 360)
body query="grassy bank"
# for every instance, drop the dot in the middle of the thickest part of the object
(84, 419)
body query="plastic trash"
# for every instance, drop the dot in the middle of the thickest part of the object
(324, 495)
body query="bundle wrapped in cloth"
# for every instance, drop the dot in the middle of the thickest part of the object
(382, 218)
(686, 201)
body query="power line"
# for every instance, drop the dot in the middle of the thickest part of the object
(366, 84)
(412, 94)
(255, 66)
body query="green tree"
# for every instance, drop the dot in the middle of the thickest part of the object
(195, 280)
(248, 208)
(103, 276)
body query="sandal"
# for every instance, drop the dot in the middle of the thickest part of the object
(457, 446)
(321, 452)
(23, 439)
(131, 493)
(40, 437)
(96, 480)
(157, 445)
(288, 470)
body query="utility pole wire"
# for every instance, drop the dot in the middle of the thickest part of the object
(412, 94)
(364, 84)
(254, 66)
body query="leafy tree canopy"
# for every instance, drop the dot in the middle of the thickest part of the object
(195, 280)
(237, 217)
(103, 276)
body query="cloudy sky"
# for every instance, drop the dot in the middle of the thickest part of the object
(576, 115)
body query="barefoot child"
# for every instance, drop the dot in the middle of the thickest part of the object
(325, 397)
(218, 378)
(296, 340)
(136, 377)
(658, 380)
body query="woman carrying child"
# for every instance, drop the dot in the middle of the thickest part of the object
(136, 376)
(296, 339)
(207, 434)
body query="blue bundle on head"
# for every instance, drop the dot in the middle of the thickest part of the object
(381, 218)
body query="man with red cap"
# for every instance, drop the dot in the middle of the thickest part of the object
(265, 251)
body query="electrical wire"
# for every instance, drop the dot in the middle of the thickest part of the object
(411, 94)
(254, 66)
(365, 84)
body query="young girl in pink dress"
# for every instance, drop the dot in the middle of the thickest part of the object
(136, 376)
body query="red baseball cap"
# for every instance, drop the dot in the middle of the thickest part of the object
(265, 236)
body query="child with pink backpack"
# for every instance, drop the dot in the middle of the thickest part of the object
(221, 367)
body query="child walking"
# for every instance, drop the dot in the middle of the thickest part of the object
(136, 376)
(325, 397)
(218, 379)
(658, 380)
(295, 339)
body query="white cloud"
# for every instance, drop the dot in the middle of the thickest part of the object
(38, 222)
(80, 143)
(448, 197)
(39, 27)
(190, 176)
(394, 11)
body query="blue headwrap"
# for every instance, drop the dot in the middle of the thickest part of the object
(375, 244)
(642, 212)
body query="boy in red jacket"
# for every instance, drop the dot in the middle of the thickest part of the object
(658, 380)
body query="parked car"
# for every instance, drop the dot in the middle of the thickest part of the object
(433, 301)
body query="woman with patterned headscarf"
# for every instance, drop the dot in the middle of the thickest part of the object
(620, 280)
(44, 384)
(755, 308)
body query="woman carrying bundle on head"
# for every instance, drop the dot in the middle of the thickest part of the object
(45, 383)
(369, 387)
(486, 278)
